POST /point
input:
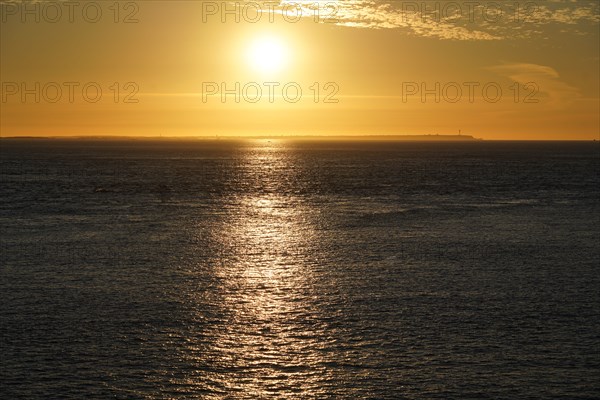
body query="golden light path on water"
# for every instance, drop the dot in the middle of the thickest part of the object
(272, 339)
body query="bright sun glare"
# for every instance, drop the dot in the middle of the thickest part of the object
(268, 54)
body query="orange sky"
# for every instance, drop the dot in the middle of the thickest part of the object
(524, 70)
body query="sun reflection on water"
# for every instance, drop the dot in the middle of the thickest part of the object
(268, 339)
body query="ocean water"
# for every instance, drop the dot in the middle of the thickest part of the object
(299, 270)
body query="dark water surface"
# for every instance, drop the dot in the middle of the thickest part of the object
(257, 269)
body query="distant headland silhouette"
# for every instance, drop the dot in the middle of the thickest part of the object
(416, 138)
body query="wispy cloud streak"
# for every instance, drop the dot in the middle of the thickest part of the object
(457, 20)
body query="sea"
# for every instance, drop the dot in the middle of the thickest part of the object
(299, 269)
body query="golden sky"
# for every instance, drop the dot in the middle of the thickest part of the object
(494, 69)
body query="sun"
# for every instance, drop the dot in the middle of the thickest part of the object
(268, 54)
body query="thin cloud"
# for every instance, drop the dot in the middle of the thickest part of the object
(458, 20)
(546, 79)
(377, 14)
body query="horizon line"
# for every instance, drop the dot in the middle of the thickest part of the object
(372, 137)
